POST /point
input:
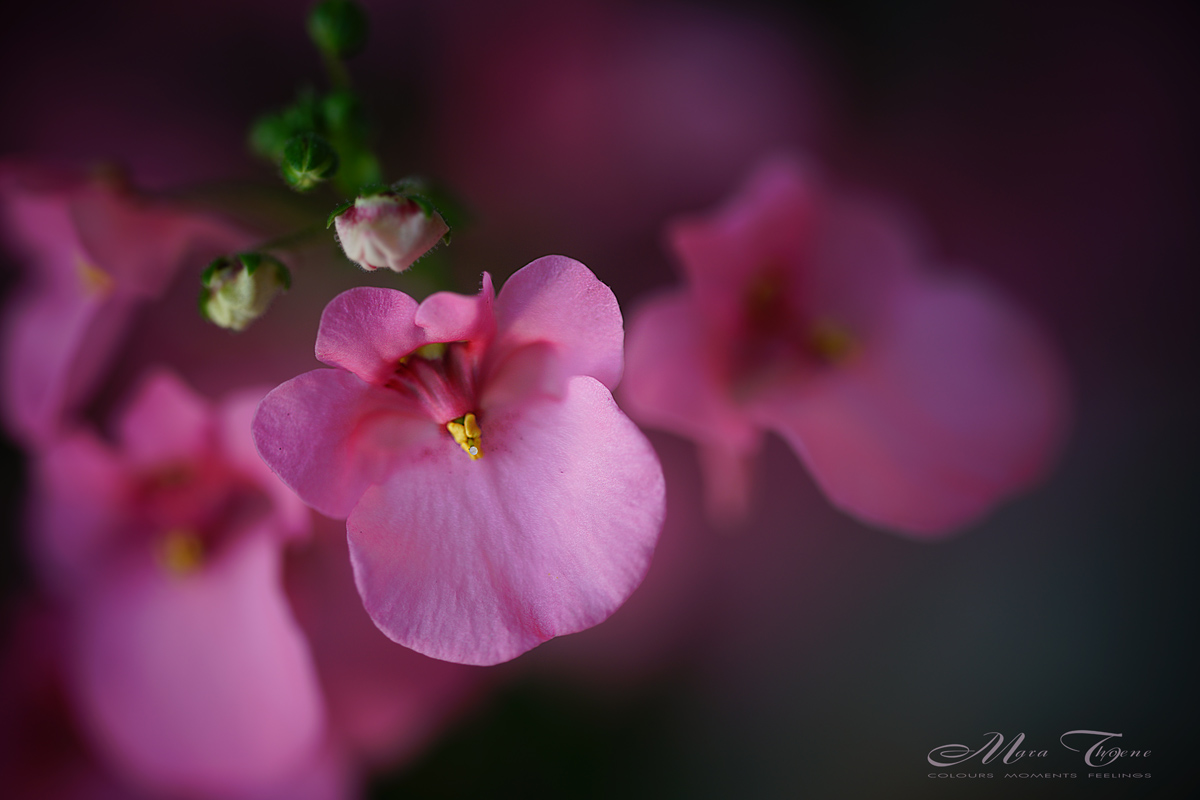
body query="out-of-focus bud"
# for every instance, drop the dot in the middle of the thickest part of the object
(388, 229)
(339, 27)
(238, 289)
(307, 160)
(349, 130)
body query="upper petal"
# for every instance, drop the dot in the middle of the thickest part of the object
(201, 682)
(547, 534)
(56, 345)
(367, 330)
(961, 404)
(142, 244)
(453, 317)
(166, 421)
(329, 435)
(560, 301)
(860, 257)
(766, 225)
(36, 217)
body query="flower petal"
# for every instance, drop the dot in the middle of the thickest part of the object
(79, 502)
(56, 345)
(235, 420)
(453, 317)
(478, 561)
(38, 225)
(673, 381)
(166, 422)
(960, 405)
(200, 682)
(766, 225)
(141, 245)
(860, 257)
(558, 300)
(366, 330)
(329, 435)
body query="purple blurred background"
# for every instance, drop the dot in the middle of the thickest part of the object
(1050, 150)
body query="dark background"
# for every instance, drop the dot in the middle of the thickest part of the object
(1052, 148)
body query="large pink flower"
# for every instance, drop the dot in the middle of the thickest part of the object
(94, 252)
(190, 673)
(497, 496)
(918, 400)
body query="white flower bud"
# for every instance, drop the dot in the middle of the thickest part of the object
(389, 230)
(238, 290)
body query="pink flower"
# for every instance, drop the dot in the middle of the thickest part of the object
(190, 673)
(95, 251)
(496, 495)
(917, 400)
(388, 230)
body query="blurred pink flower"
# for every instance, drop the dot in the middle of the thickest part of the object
(94, 252)
(917, 400)
(496, 495)
(189, 671)
(386, 230)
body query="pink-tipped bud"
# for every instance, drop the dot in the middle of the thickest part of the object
(389, 230)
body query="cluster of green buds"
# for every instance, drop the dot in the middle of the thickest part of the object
(238, 289)
(324, 137)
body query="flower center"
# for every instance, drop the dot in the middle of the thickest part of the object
(94, 281)
(778, 336)
(187, 510)
(467, 433)
(181, 552)
(440, 377)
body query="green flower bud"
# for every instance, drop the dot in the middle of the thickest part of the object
(344, 115)
(268, 136)
(307, 160)
(339, 27)
(238, 289)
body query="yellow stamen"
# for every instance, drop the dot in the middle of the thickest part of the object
(831, 341)
(182, 552)
(432, 351)
(466, 431)
(95, 281)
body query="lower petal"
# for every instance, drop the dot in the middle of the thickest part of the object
(200, 682)
(961, 404)
(478, 561)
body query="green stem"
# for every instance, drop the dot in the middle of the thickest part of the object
(339, 76)
(288, 240)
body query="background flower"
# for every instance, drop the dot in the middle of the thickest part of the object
(917, 399)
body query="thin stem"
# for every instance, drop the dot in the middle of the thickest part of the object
(287, 240)
(339, 76)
